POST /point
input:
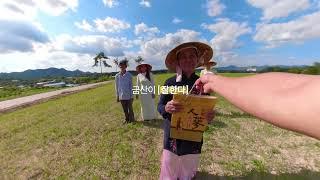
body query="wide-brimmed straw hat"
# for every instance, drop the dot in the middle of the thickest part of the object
(149, 67)
(204, 51)
(211, 63)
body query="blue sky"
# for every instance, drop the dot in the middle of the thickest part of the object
(68, 33)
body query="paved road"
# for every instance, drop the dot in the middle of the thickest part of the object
(13, 104)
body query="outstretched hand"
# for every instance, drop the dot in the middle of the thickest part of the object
(205, 83)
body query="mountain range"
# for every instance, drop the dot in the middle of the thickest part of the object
(42, 73)
(60, 72)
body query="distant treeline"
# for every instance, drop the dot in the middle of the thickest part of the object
(85, 78)
(313, 70)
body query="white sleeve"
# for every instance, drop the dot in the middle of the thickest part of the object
(116, 85)
(138, 81)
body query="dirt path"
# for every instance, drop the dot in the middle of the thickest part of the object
(10, 105)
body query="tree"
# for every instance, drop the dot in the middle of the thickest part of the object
(116, 62)
(314, 70)
(317, 66)
(311, 70)
(139, 60)
(100, 59)
(295, 70)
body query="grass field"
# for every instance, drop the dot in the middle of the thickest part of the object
(6, 94)
(82, 135)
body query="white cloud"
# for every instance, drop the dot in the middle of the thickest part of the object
(145, 3)
(28, 9)
(66, 51)
(298, 30)
(41, 57)
(169, 41)
(225, 39)
(40, 60)
(14, 10)
(145, 31)
(110, 24)
(84, 25)
(226, 34)
(155, 50)
(20, 35)
(91, 44)
(57, 7)
(110, 3)
(214, 7)
(176, 20)
(19, 29)
(276, 9)
(67, 60)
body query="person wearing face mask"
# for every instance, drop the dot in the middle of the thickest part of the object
(146, 86)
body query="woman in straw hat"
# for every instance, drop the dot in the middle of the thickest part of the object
(180, 158)
(207, 68)
(145, 83)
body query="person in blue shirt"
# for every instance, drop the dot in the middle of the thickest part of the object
(180, 158)
(124, 93)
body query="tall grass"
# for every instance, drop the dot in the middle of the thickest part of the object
(82, 136)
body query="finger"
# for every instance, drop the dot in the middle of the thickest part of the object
(176, 109)
(179, 108)
(207, 88)
(178, 105)
(198, 84)
(175, 103)
(169, 110)
(170, 107)
(205, 78)
(199, 87)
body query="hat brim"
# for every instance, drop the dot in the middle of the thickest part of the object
(149, 67)
(171, 59)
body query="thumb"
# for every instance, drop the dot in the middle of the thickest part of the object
(198, 84)
(207, 88)
(203, 81)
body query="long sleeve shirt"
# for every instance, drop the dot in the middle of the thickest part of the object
(123, 86)
(177, 146)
